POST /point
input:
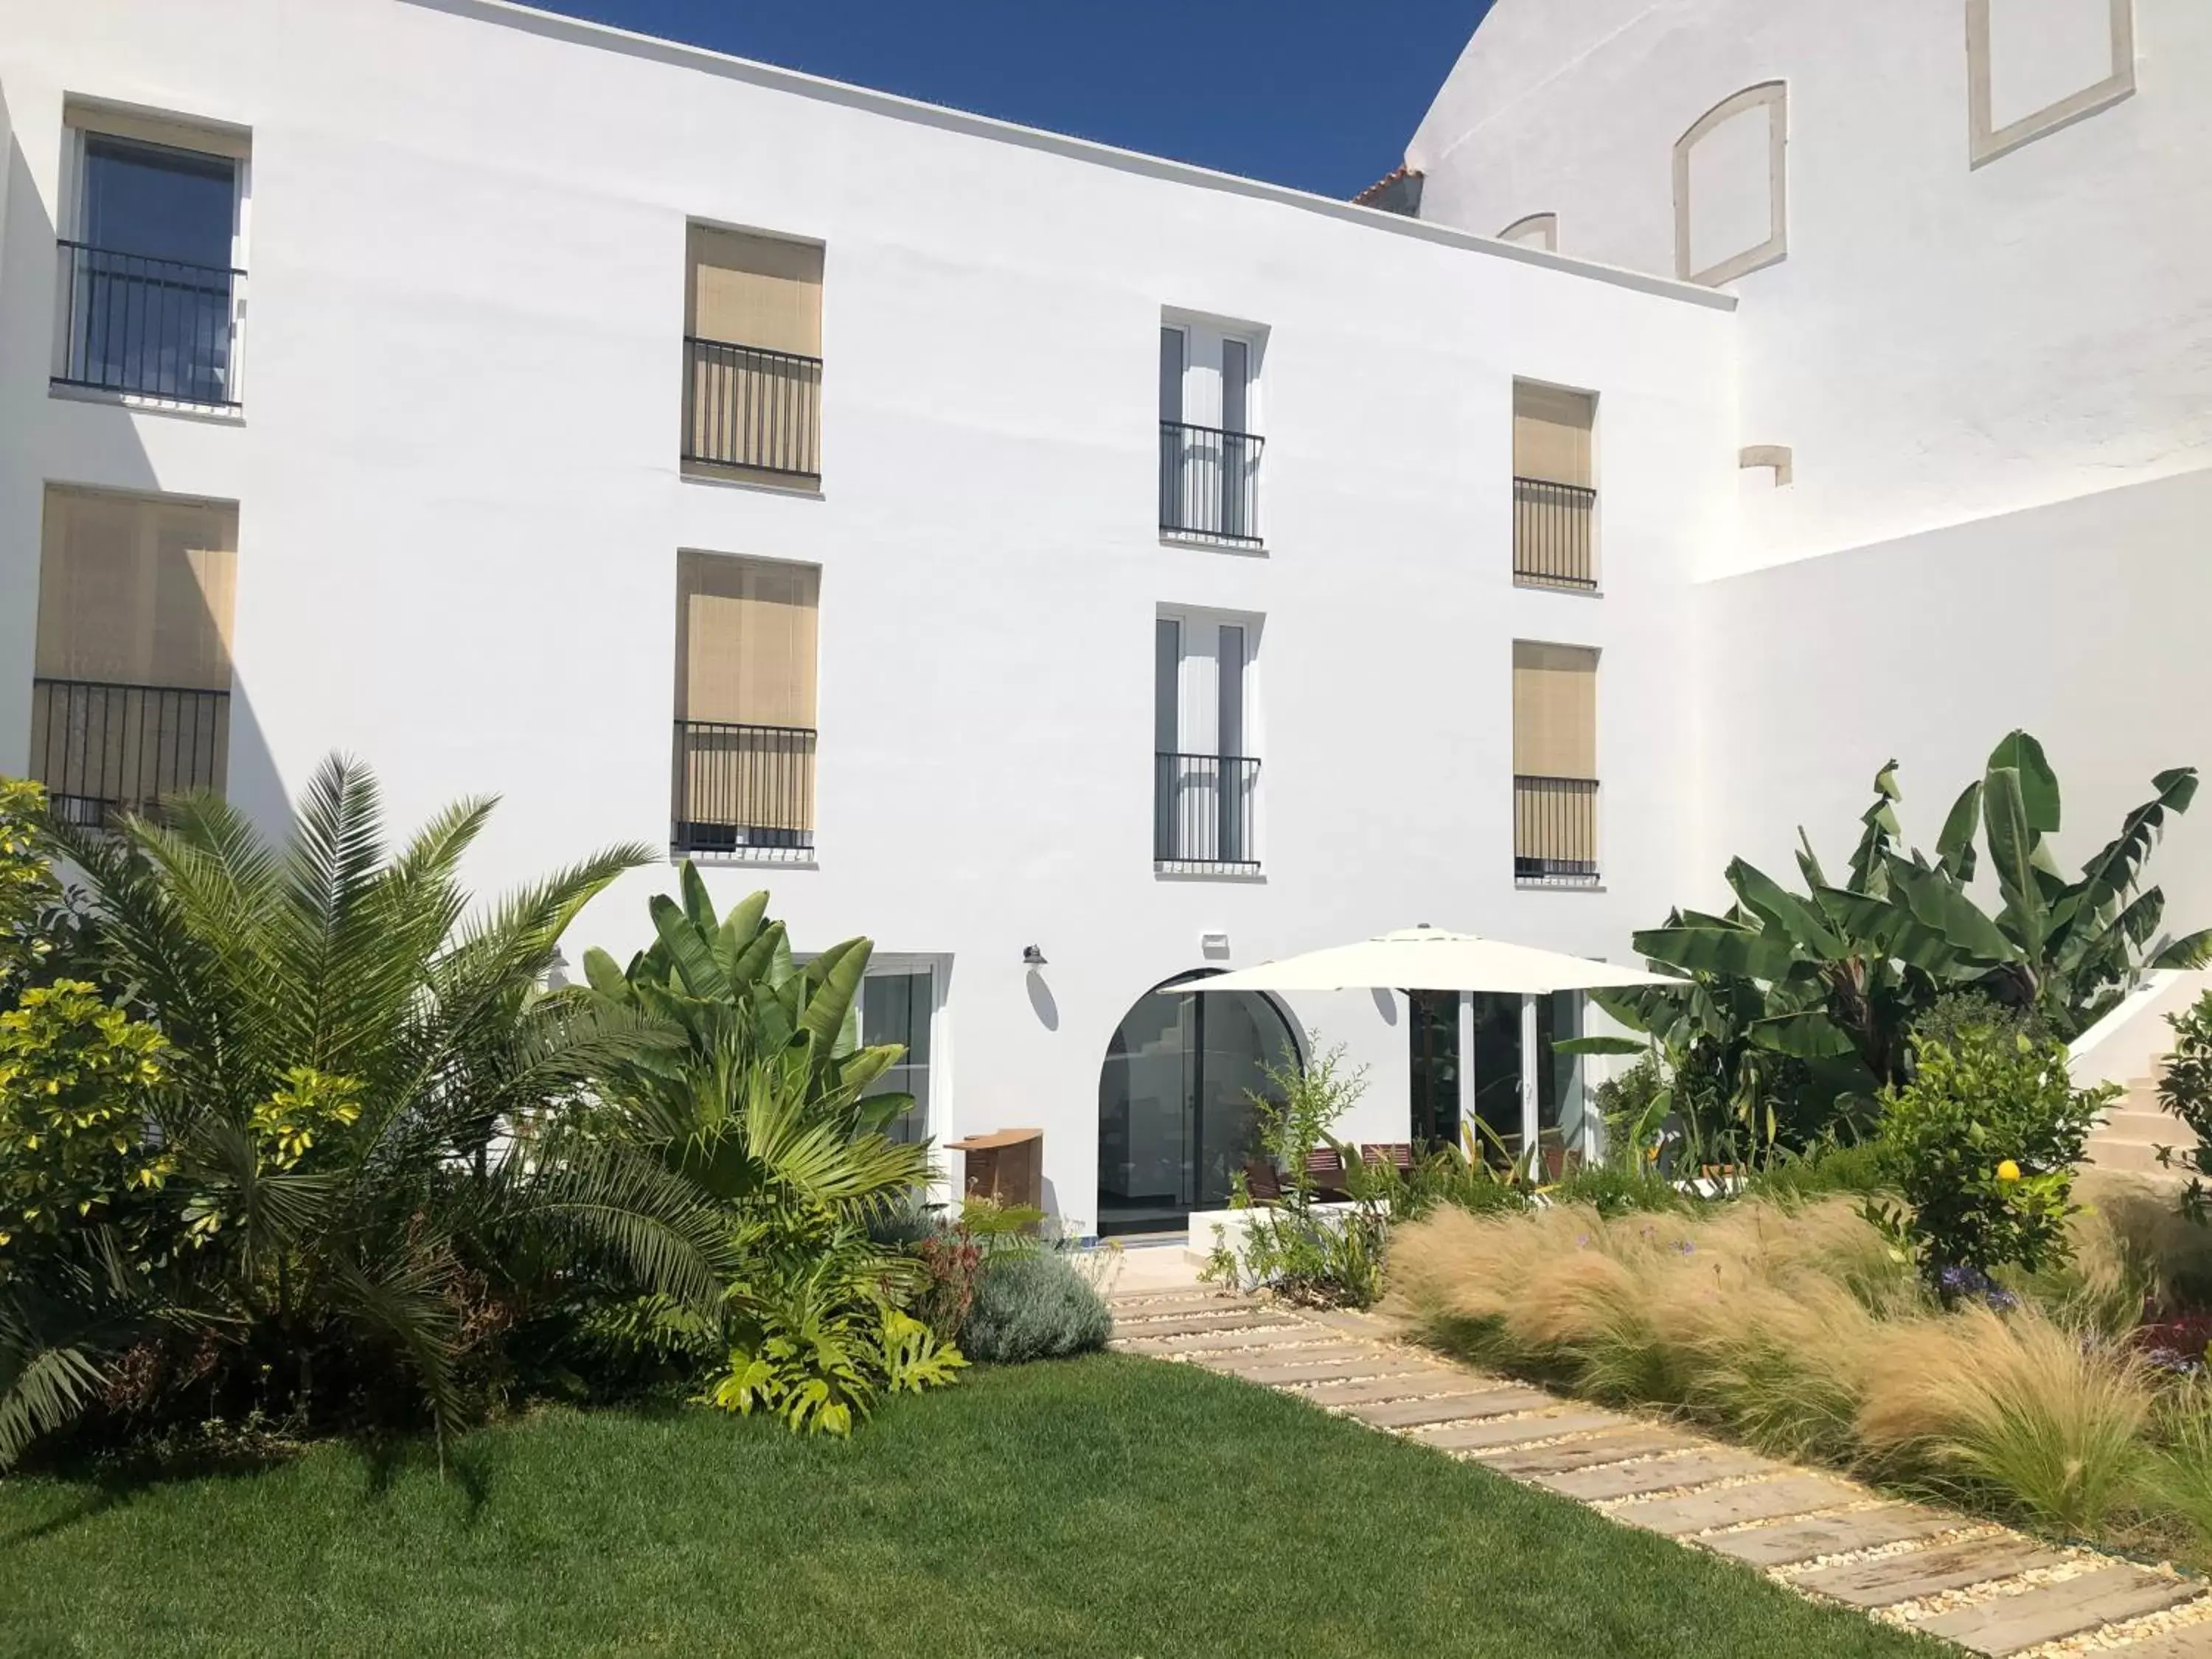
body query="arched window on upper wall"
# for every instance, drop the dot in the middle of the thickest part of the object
(1731, 187)
(2033, 66)
(1536, 230)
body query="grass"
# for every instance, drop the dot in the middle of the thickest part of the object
(1105, 1506)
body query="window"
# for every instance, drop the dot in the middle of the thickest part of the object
(151, 300)
(752, 358)
(897, 1005)
(1209, 439)
(1554, 764)
(131, 683)
(1554, 504)
(744, 707)
(2033, 66)
(1732, 187)
(1206, 780)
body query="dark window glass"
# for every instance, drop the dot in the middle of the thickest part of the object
(158, 202)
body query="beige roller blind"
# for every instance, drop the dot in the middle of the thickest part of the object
(1551, 434)
(745, 641)
(754, 291)
(149, 128)
(134, 590)
(1554, 710)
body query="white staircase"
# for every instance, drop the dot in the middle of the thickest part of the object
(2127, 1139)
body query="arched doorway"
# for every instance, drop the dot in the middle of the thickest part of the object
(1176, 1121)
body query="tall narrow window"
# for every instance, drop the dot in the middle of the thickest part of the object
(130, 686)
(1209, 440)
(1205, 781)
(744, 707)
(151, 297)
(1554, 499)
(1554, 763)
(752, 358)
(897, 1007)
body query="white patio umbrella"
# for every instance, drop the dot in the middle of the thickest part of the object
(1433, 959)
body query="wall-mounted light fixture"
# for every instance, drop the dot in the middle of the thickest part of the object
(1213, 946)
(1031, 956)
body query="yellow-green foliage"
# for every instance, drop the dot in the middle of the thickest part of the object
(1801, 1329)
(76, 1078)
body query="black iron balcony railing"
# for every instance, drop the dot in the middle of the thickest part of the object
(1204, 810)
(745, 406)
(153, 328)
(1210, 482)
(743, 788)
(1555, 830)
(102, 751)
(1553, 546)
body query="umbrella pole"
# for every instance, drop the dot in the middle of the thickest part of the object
(1531, 1155)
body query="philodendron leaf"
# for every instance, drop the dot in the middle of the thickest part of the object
(2016, 751)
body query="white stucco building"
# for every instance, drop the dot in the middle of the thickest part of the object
(1012, 547)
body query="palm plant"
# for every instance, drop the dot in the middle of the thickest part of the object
(763, 1106)
(364, 1074)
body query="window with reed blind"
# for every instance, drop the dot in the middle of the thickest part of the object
(746, 638)
(1554, 487)
(752, 356)
(131, 671)
(1555, 785)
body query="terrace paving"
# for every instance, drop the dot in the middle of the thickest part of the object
(1989, 1590)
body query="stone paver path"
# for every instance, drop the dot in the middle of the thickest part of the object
(1990, 1590)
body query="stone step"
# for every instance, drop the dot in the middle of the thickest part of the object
(1495, 1432)
(1916, 1573)
(1181, 1300)
(1266, 1334)
(2151, 1128)
(1769, 1500)
(1459, 1408)
(1697, 1467)
(1612, 1446)
(2130, 1158)
(2107, 1596)
(1787, 1542)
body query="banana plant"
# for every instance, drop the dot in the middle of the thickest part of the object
(1832, 978)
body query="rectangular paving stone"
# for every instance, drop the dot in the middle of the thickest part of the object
(2191, 1641)
(1615, 1448)
(1511, 1432)
(1789, 1542)
(1270, 1336)
(2032, 1618)
(1193, 1324)
(1694, 1468)
(1417, 1413)
(1310, 1364)
(1768, 1501)
(1433, 1381)
(1180, 1301)
(1916, 1573)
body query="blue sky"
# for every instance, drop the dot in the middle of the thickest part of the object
(1318, 93)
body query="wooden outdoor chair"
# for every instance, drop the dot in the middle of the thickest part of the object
(1400, 1152)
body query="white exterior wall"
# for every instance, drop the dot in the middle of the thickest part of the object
(1941, 342)
(460, 507)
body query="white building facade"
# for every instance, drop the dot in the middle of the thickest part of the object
(1073, 570)
(1974, 356)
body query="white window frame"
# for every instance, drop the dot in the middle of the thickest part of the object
(1197, 707)
(1202, 400)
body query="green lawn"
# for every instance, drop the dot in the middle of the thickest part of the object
(1107, 1506)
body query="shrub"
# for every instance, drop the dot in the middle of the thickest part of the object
(1033, 1305)
(1985, 1137)
(2012, 1407)
(1863, 1167)
(2175, 1475)
(2184, 1088)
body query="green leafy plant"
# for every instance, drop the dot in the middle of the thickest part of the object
(1984, 1140)
(2184, 1088)
(1803, 1003)
(356, 1067)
